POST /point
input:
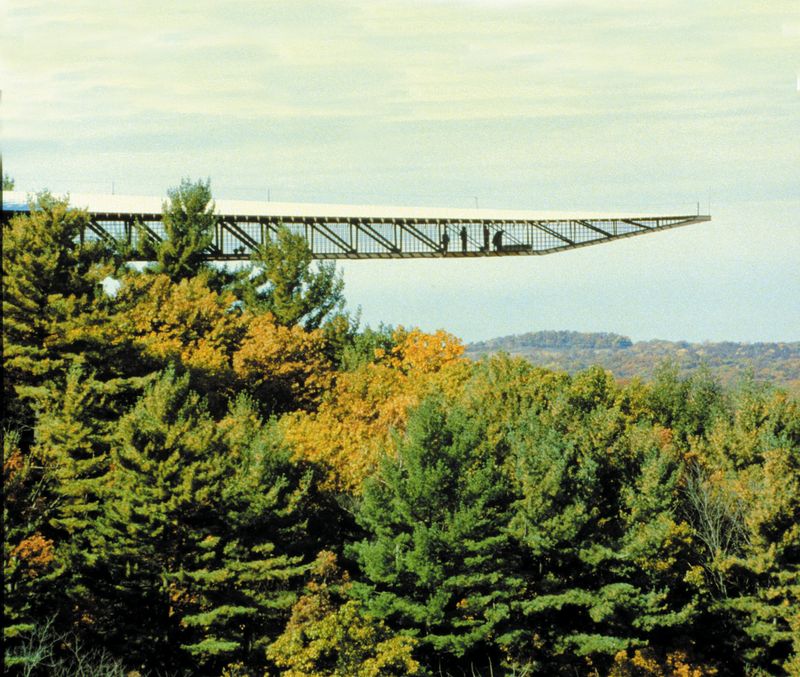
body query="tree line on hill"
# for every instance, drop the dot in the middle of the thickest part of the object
(730, 362)
(217, 472)
(554, 339)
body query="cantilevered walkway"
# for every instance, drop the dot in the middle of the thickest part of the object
(367, 232)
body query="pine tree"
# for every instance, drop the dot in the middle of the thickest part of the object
(163, 497)
(687, 405)
(51, 276)
(71, 437)
(744, 505)
(281, 281)
(249, 569)
(71, 434)
(598, 515)
(189, 224)
(204, 531)
(437, 561)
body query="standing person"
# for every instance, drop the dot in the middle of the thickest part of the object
(463, 234)
(445, 240)
(497, 240)
(485, 238)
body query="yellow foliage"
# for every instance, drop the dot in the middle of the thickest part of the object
(185, 322)
(354, 423)
(283, 363)
(351, 427)
(237, 669)
(330, 635)
(417, 351)
(645, 663)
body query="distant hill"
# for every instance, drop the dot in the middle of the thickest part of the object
(573, 351)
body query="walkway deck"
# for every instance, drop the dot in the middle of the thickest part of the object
(370, 232)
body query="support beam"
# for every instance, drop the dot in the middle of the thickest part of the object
(365, 232)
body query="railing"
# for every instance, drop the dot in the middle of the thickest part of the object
(373, 232)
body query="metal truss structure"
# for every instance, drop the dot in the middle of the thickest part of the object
(342, 232)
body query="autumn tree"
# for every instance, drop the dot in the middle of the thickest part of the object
(353, 423)
(283, 367)
(330, 634)
(158, 322)
(183, 448)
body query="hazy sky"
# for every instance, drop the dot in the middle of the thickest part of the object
(549, 104)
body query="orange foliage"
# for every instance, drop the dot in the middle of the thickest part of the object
(665, 437)
(12, 464)
(36, 553)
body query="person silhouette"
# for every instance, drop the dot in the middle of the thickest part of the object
(497, 240)
(463, 234)
(485, 238)
(445, 241)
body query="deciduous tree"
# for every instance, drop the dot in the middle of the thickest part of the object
(283, 367)
(329, 633)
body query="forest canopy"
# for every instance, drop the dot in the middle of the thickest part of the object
(572, 351)
(219, 472)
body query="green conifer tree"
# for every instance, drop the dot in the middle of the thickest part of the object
(189, 224)
(281, 281)
(744, 504)
(71, 437)
(163, 497)
(51, 276)
(241, 588)
(204, 532)
(599, 518)
(437, 561)
(687, 405)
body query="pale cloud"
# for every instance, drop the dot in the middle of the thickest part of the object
(392, 60)
(543, 104)
(329, 84)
